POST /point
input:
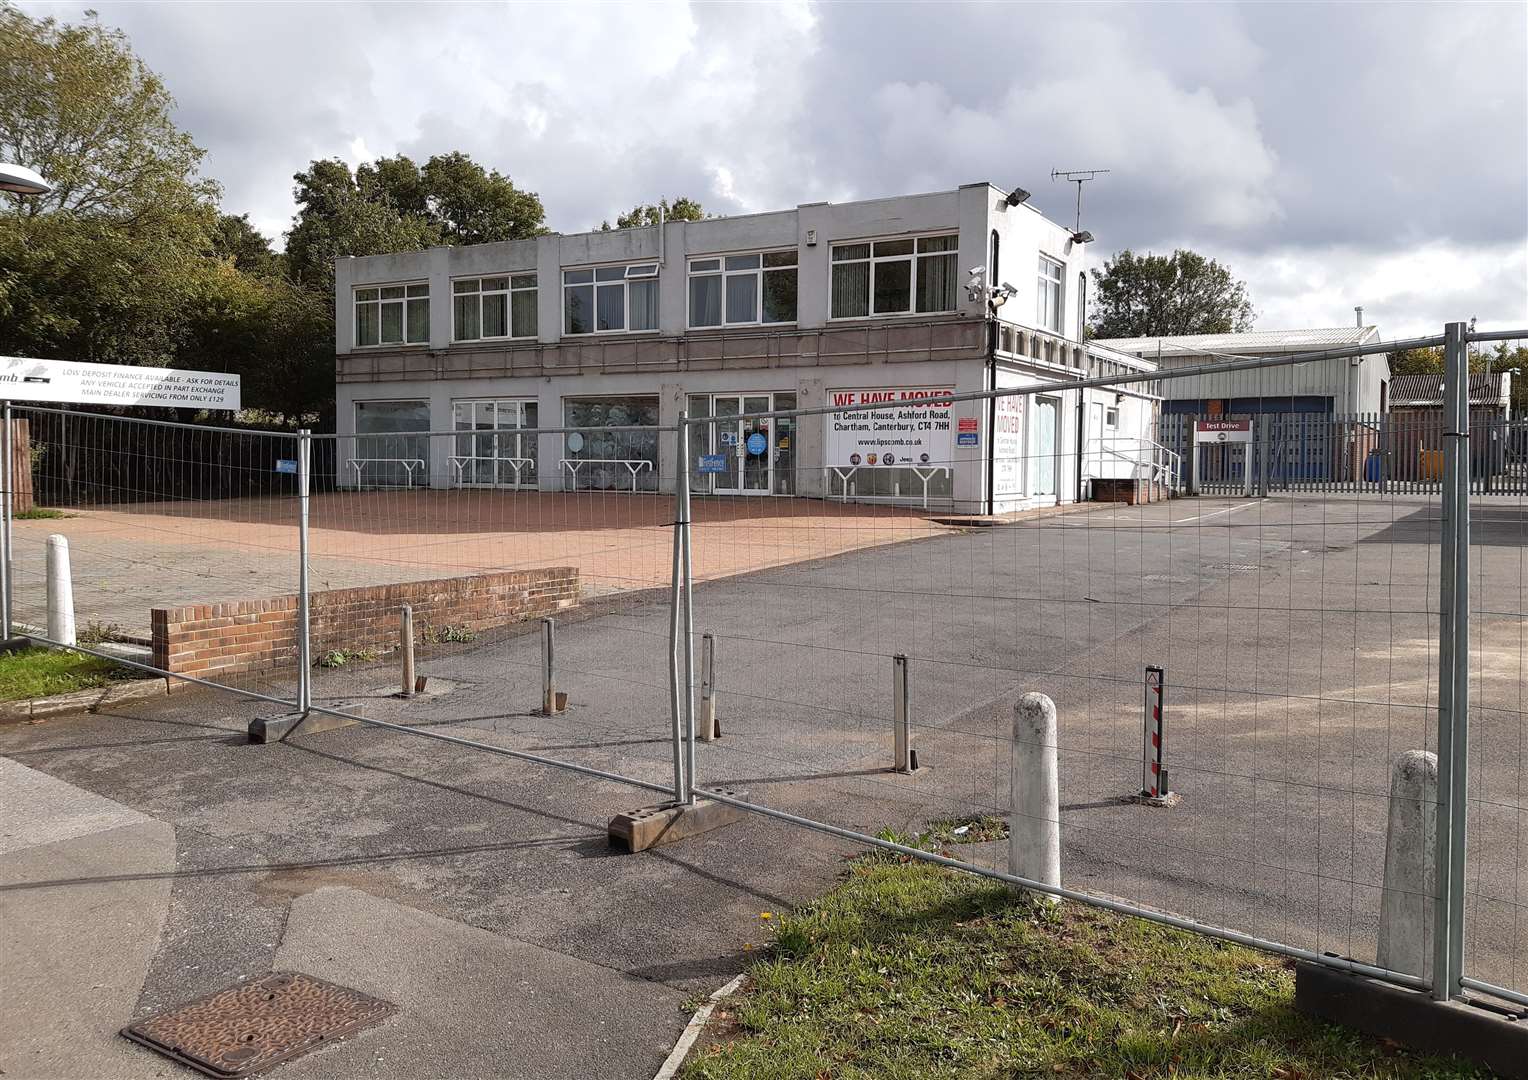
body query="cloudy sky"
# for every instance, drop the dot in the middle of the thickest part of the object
(1331, 154)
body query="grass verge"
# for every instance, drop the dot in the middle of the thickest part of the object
(34, 673)
(910, 970)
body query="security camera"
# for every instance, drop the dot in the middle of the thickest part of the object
(977, 270)
(1010, 289)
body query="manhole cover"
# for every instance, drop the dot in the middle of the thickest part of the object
(252, 1026)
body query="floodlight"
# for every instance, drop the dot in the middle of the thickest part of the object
(1016, 196)
(20, 180)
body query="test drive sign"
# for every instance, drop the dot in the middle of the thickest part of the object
(1224, 431)
(910, 429)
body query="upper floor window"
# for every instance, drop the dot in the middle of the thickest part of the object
(894, 277)
(494, 307)
(1048, 295)
(607, 299)
(392, 315)
(735, 290)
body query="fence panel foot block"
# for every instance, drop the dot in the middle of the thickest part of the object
(1414, 1019)
(666, 823)
(270, 729)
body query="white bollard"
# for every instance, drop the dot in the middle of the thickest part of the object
(1034, 816)
(60, 592)
(1405, 907)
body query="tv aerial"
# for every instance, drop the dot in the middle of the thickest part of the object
(1078, 177)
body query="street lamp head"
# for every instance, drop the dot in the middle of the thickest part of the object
(20, 180)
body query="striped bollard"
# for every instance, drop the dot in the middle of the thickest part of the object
(1154, 789)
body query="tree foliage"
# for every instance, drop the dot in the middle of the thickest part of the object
(1161, 295)
(683, 208)
(395, 205)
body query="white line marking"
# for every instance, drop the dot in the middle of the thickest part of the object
(670, 1067)
(1215, 513)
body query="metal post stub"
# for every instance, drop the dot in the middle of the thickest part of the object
(247, 1028)
(1154, 790)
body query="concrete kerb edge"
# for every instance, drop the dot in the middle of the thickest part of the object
(91, 700)
(687, 1038)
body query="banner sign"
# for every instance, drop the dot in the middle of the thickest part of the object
(913, 432)
(713, 463)
(27, 379)
(1223, 431)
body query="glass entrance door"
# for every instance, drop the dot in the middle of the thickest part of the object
(745, 442)
(495, 454)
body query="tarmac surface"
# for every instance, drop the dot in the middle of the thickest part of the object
(1299, 637)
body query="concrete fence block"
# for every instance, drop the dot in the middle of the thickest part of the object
(1405, 938)
(1034, 816)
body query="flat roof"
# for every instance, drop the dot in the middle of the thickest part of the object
(1251, 341)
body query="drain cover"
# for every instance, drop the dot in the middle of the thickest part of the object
(252, 1026)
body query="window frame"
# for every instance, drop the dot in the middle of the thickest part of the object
(378, 302)
(650, 272)
(1044, 281)
(911, 259)
(723, 274)
(508, 292)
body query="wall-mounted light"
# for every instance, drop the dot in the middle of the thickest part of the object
(1082, 236)
(1016, 196)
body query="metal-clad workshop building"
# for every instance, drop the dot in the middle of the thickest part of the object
(810, 307)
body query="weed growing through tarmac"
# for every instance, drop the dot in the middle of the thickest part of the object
(39, 513)
(338, 658)
(37, 672)
(910, 970)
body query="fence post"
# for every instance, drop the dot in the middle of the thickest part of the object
(1034, 815)
(7, 481)
(901, 749)
(676, 597)
(682, 483)
(1410, 839)
(710, 730)
(406, 649)
(1453, 669)
(60, 592)
(304, 628)
(548, 669)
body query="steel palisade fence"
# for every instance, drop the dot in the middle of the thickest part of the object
(790, 622)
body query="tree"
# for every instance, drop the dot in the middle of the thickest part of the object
(394, 205)
(102, 267)
(77, 105)
(1427, 361)
(1161, 295)
(243, 245)
(683, 208)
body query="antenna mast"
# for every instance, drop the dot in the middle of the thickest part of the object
(1078, 177)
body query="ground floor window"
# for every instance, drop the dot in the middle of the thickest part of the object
(494, 454)
(745, 454)
(387, 451)
(599, 459)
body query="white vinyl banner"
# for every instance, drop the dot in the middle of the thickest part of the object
(912, 432)
(26, 379)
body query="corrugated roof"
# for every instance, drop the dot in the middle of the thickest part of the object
(1423, 391)
(1252, 341)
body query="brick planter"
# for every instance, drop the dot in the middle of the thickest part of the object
(243, 635)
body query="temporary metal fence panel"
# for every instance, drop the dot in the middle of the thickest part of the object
(1304, 641)
(168, 527)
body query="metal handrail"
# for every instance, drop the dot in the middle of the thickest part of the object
(409, 465)
(1158, 471)
(459, 463)
(634, 465)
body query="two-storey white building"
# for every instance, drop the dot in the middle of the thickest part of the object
(822, 305)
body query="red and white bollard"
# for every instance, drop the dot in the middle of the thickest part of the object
(1154, 789)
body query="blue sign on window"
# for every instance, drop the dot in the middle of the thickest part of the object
(713, 463)
(286, 465)
(757, 443)
(967, 438)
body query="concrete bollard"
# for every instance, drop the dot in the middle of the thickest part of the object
(1405, 906)
(60, 592)
(709, 730)
(406, 650)
(1034, 817)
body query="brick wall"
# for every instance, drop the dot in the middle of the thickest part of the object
(210, 640)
